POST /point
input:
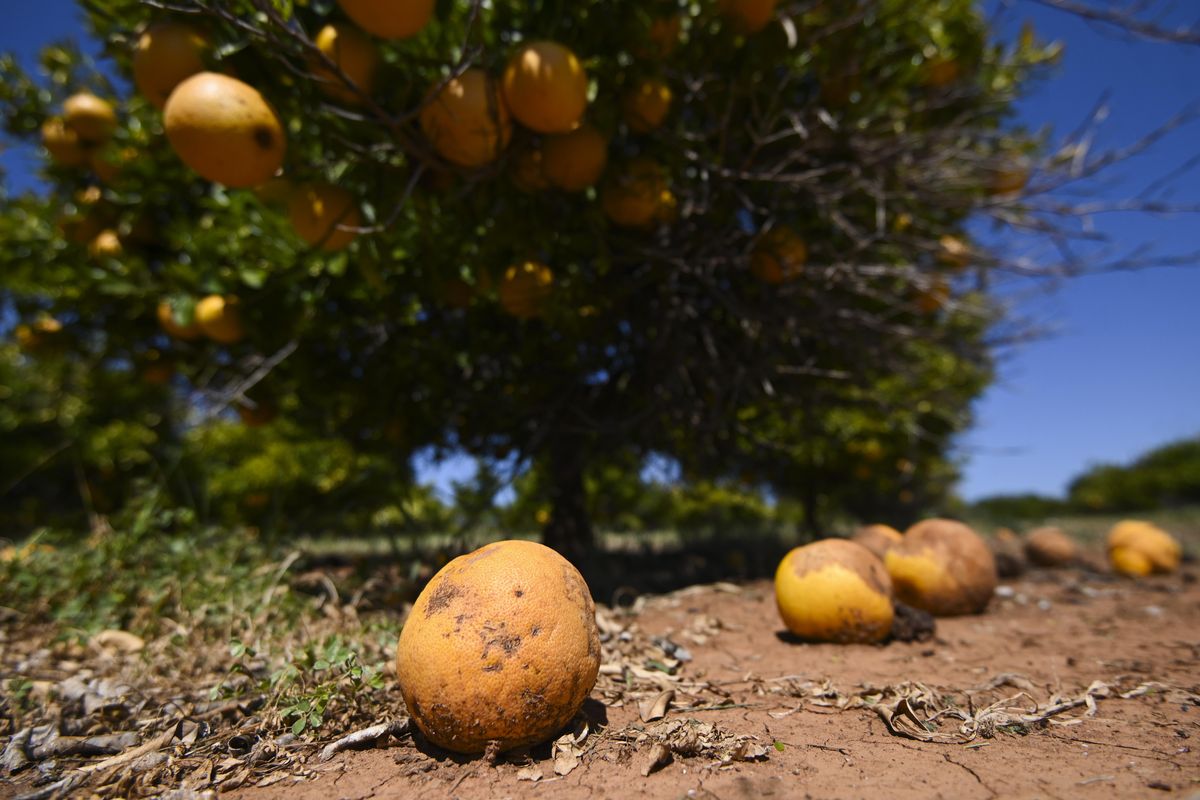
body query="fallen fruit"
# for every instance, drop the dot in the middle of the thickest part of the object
(1130, 539)
(877, 538)
(501, 646)
(834, 591)
(943, 567)
(1050, 547)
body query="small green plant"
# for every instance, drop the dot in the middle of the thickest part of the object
(323, 676)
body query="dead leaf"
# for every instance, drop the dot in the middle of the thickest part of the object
(533, 774)
(119, 641)
(660, 756)
(657, 708)
(565, 761)
(365, 737)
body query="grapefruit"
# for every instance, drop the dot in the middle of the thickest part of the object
(224, 130)
(779, 256)
(389, 19)
(219, 319)
(466, 121)
(953, 252)
(63, 144)
(646, 104)
(324, 216)
(747, 16)
(524, 288)
(943, 567)
(92, 119)
(354, 54)
(106, 245)
(637, 195)
(574, 161)
(501, 646)
(1137, 548)
(167, 54)
(546, 88)
(171, 325)
(834, 590)
(1050, 547)
(878, 539)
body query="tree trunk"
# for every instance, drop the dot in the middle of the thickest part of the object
(810, 502)
(569, 530)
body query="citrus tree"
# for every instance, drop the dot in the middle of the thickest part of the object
(562, 235)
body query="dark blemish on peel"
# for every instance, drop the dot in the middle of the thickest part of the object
(442, 597)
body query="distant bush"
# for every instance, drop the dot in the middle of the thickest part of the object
(1164, 477)
(1012, 509)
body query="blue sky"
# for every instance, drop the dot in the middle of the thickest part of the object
(1121, 373)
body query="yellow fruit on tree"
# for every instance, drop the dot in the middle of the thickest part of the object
(1009, 180)
(219, 319)
(166, 319)
(467, 121)
(1129, 539)
(500, 649)
(92, 119)
(932, 298)
(646, 105)
(274, 191)
(546, 88)
(107, 163)
(524, 288)
(662, 37)
(943, 567)
(747, 16)
(156, 369)
(167, 54)
(953, 252)
(354, 54)
(106, 245)
(834, 590)
(574, 161)
(940, 72)
(779, 256)
(39, 337)
(636, 196)
(63, 144)
(224, 130)
(324, 216)
(389, 19)
(527, 170)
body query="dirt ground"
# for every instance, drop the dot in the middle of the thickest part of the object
(1065, 642)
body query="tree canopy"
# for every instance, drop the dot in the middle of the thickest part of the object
(571, 236)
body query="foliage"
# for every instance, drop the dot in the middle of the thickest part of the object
(1017, 509)
(155, 570)
(847, 128)
(1164, 477)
